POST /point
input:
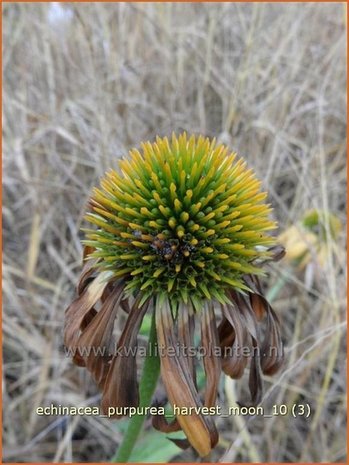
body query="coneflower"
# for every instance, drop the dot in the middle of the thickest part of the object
(182, 231)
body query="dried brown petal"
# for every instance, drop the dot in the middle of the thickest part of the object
(181, 443)
(226, 333)
(88, 270)
(272, 346)
(251, 324)
(200, 431)
(80, 309)
(186, 330)
(121, 385)
(160, 423)
(278, 252)
(258, 306)
(212, 362)
(233, 360)
(255, 383)
(96, 339)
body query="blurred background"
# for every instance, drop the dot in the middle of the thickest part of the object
(83, 83)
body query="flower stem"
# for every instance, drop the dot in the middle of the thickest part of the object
(147, 387)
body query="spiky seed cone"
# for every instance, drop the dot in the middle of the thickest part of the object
(183, 218)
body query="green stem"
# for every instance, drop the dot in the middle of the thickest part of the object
(274, 291)
(147, 387)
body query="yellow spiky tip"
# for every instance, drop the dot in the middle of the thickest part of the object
(184, 217)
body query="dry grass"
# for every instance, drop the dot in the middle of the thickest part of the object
(269, 80)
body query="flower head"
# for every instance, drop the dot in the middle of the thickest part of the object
(182, 228)
(183, 219)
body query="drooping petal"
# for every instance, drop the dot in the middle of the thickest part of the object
(121, 385)
(274, 254)
(160, 423)
(272, 354)
(278, 252)
(258, 306)
(88, 270)
(88, 318)
(211, 359)
(124, 302)
(200, 430)
(272, 346)
(186, 328)
(255, 383)
(233, 360)
(248, 316)
(80, 309)
(181, 443)
(258, 302)
(96, 339)
(250, 322)
(226, 333)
